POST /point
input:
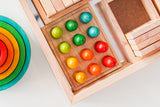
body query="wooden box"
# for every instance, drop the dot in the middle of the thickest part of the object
(138, 42)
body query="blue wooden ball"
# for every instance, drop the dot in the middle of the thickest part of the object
(93, 31)
(85, 17)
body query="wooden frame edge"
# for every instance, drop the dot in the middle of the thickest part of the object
(47, 51)
(157, 4)
(128, 70)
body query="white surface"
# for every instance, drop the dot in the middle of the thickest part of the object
(39, 87)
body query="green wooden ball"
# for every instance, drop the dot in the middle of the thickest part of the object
(71, 25)
(79, 39)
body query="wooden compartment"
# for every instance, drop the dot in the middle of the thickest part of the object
(75, 92)
(130, 14)
(135, 18)
(75, 50)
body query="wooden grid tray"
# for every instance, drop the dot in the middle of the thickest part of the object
(75, 50)
(114, 27)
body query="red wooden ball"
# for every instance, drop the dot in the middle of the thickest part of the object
(109, 61)
(101, 46)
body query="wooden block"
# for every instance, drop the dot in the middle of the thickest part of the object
(58, 4)
(67, 3)
(146, 36)
(75, 1)
(157, 4)
(46, 19)
(48, 7)
(40, 10)
(75, 51)
(152, 48)
(143, 29)
(149, 6)
(145, 43)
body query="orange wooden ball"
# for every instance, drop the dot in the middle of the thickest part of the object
(87, 54)
(80, 77)
(94, 69)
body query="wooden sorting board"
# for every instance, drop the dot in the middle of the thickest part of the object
(75, 50)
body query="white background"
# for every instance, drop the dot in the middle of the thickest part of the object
(39, 87)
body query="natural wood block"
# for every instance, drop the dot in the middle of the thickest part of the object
(67, 3)
(146, 36)
(75, 1)
(48, 7)
(151, 10)
(152, 48)
(58, 4)
(157, 4)
(144, 43)
(151, 25)
(53, 17)
(75, 51)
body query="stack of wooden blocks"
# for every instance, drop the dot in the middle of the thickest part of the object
(138, 21)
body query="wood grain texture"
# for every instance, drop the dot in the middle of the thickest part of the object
(157, 4)
(146, 35)
(130, 14)
(117, 31)
(47, 51)
(150, 8)
(150, 49)
(75, 51)
(40, 10)
(67, 3)
(58, 4)
(75, 1)
(145, 43)
(111, 79)
(143, 29)
(47, 20)
(48, 7)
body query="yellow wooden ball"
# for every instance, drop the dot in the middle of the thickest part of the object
(72, 62)
(80, 77)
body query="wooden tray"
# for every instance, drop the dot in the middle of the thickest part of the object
(131, 62)
(75, 50)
